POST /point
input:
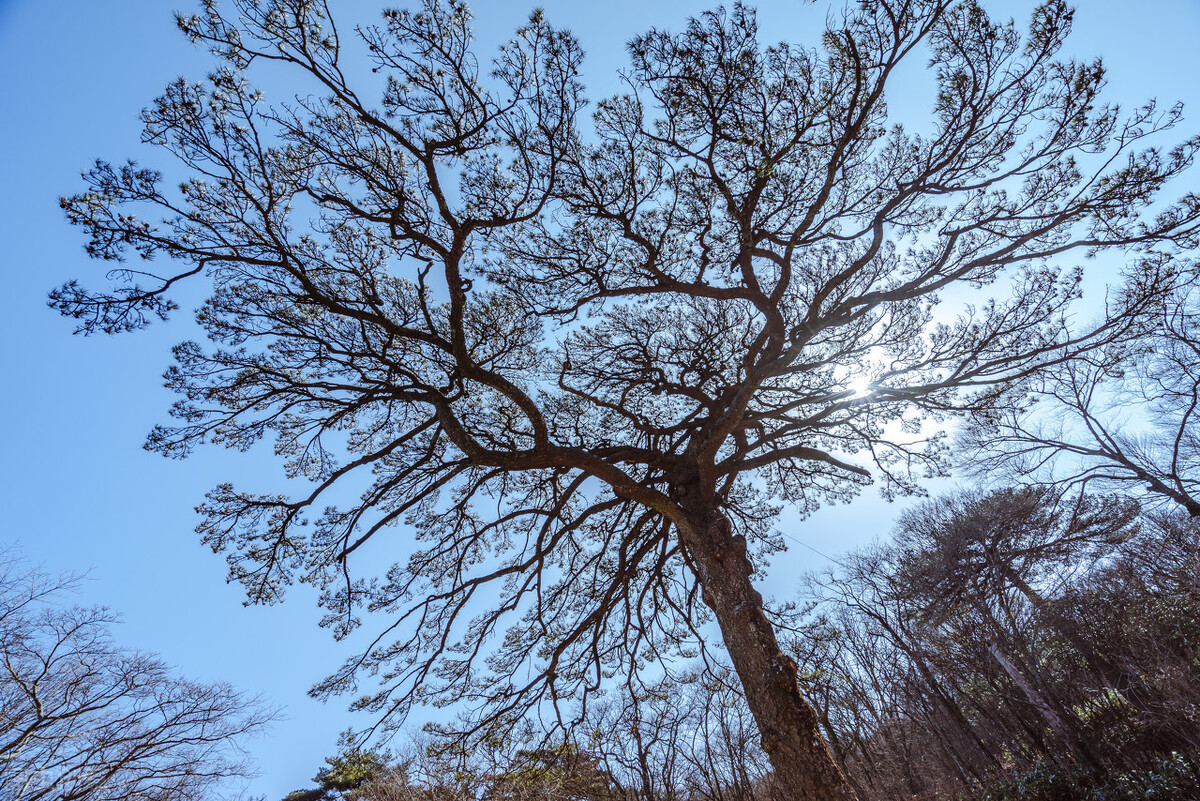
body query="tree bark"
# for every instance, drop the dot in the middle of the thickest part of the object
(791, 735)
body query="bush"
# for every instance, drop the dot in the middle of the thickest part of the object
(1173, 777)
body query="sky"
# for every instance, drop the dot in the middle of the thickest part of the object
(78, 491)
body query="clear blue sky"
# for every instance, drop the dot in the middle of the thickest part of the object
(78, 490)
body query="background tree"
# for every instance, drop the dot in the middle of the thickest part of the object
(347, 772)
(560, 773)
(983, 564)
(427, 773)
(570, 360)
(83, 719)
(1122, 418)
(686, 737)
(944, 675)
(1141, 610)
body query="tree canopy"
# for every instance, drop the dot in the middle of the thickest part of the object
(82, 718)
(1123, 418)
(573, 365)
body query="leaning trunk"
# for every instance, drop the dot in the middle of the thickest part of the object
(791, 736)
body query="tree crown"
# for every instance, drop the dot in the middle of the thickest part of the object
(557, 350)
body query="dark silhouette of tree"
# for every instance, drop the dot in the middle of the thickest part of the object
(583, 364)
(83, 719)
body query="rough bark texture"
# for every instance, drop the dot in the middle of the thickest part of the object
(791, 734)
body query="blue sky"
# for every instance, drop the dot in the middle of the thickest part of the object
(78, 490)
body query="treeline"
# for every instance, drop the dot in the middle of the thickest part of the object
(1013, 644)
(690, 739)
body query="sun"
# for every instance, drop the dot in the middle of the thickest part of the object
(860, 385)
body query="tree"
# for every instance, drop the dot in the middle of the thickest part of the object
(85, 720)
(347, 772)
(1125, 417)
(1141, 610)
(986, 555)
(584, 365)
(978, 545)
(691, 737)
(1012, 633)
(561, 773)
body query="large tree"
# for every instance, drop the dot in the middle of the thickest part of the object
(573, 368)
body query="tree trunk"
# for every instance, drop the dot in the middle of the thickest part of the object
(791, 736)
(1068, 736)
(1032, 696)
(907, 643)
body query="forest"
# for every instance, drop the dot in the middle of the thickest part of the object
(548, 378)
(1016, 644)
